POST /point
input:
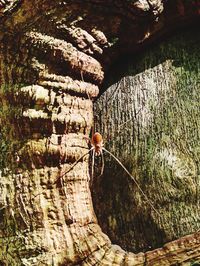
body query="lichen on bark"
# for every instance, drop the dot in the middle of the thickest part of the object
(56, 54)
(150, 120)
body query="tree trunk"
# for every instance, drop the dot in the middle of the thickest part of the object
(53, 58)
(150, 120)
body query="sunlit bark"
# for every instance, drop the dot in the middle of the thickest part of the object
(53, 59)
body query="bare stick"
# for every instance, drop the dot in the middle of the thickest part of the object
(72, 166)
(145, 196)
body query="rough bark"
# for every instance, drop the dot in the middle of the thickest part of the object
(150, 120)
(53, 55)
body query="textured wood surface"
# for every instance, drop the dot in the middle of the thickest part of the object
(53, 59)
(150, 120)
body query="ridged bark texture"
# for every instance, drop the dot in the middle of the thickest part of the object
(150, 120)
(53, 59)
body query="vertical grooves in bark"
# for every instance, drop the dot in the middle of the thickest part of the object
(51, 83)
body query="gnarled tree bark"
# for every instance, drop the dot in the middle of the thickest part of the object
(150, 120)
(53, 59)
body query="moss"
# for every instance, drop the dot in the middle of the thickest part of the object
(153, 127)
(9, 113)
(195, 263)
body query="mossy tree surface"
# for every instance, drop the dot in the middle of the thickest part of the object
(150, 120)
(53, 59)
